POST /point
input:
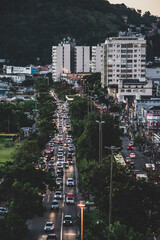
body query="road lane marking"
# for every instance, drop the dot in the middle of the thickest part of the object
(48, 198)
(70, 234)
(61, 236)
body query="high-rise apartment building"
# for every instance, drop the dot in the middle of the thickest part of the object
(96, 59)
(123, 57)
(82, 59)
(61, 59)
(68, 58)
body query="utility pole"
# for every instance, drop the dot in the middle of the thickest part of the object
(100, 141)
(112, 148)
(88, 101)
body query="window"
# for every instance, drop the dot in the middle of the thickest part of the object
(110, 45)
(122, 90)
(129, 51)
(135, 65)
(128, 90)
(110, 56)
(135, 55)
(129, 61)
(123, 51)
(135, 61)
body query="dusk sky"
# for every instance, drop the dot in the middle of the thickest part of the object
(145, 5)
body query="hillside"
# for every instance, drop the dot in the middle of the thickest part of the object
(28, 28)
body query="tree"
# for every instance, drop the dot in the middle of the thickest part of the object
(28, 152)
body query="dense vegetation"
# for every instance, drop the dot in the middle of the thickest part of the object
(23, 184)
(29, 28)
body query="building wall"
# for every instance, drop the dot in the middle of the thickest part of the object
(153, 73)
(146, 104)
(125, 57)
(86, 63)
(96, 59)
(19, 70)
(141, 89)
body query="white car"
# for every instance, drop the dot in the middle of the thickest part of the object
(70, 182)
(49, 227)
(55, 204)
(70, 200)
(60, 154)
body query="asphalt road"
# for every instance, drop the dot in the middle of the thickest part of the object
(140, 158)
(36, 225)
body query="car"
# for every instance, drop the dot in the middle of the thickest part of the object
(58, 195)
(132, 155)
(55, 204)
(70, 161)
(65, 165)
(70, 198)
(49, 227)
(60, 149)
(60, 154)
(70, 182)
(69, 155)
(51, 237)
(59, 181)
(129, 147)
(59, 173)
(128, 160)
(3, 210)
(51, 164)
(131, 165)
(67, 220)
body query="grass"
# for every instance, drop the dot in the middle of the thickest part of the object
(6, 150)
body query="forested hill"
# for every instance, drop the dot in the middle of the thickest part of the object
(28, 28)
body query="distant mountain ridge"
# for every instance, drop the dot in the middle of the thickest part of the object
(28, 28)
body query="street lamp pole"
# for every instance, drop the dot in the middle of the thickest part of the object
(81, 205)
(112, 148)
(100, 140)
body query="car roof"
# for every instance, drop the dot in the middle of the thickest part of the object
(49, 222)
(67, 216)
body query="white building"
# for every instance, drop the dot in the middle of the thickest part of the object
(68, 58)
(15, 78)
(123, 57)
(81, 59)
(61, 60)
(128, 88)
(96, 59)
(19, 70)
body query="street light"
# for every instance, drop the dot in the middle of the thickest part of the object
(81, 205)
(100, 140)
(112, 148)
(101, 221)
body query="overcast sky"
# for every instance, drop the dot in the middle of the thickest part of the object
(145, 5)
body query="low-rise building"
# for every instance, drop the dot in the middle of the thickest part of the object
(152, 117)
(134, 89)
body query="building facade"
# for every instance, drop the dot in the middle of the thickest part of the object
(20, 70)
(123, 57)
(82, 59)
(128, 88)
(96, 59)
(69, 58)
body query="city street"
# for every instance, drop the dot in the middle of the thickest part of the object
(36, 225)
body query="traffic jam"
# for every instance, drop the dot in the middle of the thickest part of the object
(59, 159)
